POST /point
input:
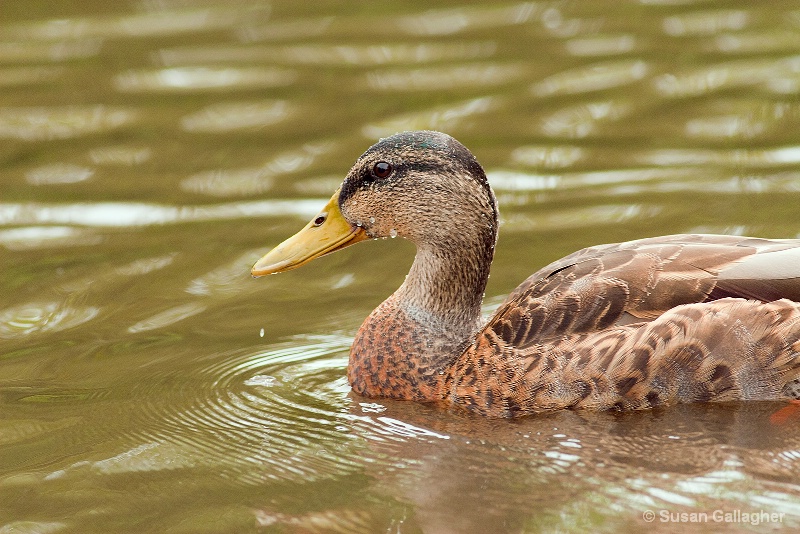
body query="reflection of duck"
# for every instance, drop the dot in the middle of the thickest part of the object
(624, 326)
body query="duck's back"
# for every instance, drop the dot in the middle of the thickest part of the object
(634, 325)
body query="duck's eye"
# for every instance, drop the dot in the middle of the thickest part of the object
(320, 219)
(382, 169)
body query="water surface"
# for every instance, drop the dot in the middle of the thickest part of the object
(151, 150)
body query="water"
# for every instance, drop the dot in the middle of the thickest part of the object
(152, 150)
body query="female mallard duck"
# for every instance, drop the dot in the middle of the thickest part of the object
(683, 318)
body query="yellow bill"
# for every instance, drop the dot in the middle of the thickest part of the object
(326, 233)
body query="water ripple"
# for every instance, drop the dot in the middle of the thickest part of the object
(440, 118)
(601, 45)
(445, 77)
(42, 123)
(29, 75)
(296, 28)
(120, 155)
(58, 173)
(756, 42)
(577, 217)
(32, 527)
(36, 237)
(706, 22)
(146, 265)
(595, 77)
(229, 116)
(168, 317)
(157, 23)
(229, 279)
(324, 54)
(719, 76)
(234, 414)
(254, 180)
(451, 21)
(34, 318)
(26, 51)
(583, 119)
(203, 78)
(131, 214)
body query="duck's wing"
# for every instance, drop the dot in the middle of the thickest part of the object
(618, 284)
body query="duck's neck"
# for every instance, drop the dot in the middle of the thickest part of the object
(407, 345)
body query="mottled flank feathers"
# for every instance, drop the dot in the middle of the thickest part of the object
(728, 349)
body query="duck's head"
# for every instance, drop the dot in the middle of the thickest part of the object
(424, 186)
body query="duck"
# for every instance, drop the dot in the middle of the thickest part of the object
(625, 326)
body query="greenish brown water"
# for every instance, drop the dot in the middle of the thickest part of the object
(151, 150)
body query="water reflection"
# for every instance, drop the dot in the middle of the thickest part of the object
(253, 180)
(168, 317)
(31, 51)
(43, 317)
(156, 23)
(450, 21)
(203, 78)
(36, 237)
(58, 173)
(552, 157)
(229, 116)
(120, 155)
(331, 54)
(706, 22)
(577, 218)
(121, 214)
(440, 118)
(297, 28)
(41, 124)
(596, 77)
(228, 279)
(28, 75)
(512, 185)
(145, 265)
(705, 80)
(582, 120)
(789, 155)
(444, 78)
(601, 45)
(753, 42)
(726, 126)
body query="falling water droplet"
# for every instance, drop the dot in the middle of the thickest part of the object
(358, 223)
(372, 220)
(261, 333)
(392, 233)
